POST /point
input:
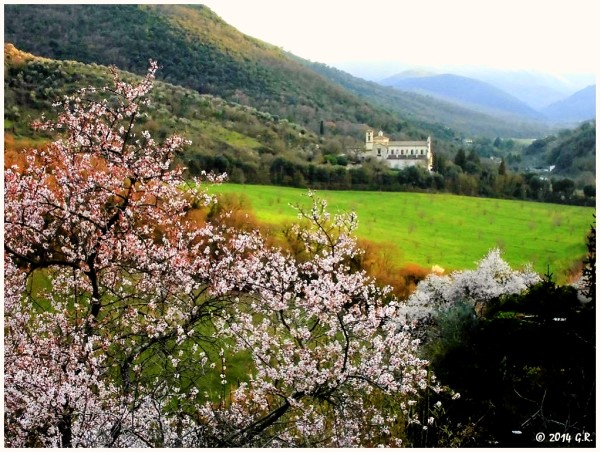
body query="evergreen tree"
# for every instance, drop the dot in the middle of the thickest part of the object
(502, 168)
(460, 159)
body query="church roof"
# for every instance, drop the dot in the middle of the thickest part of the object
(407, 143)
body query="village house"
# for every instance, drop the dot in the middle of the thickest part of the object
(398, 154)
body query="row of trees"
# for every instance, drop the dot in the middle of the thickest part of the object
(465, 175)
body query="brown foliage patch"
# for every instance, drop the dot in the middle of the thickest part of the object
(15, 149)
(377, 261)
(233, 210)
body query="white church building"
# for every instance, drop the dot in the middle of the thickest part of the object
(398, 154)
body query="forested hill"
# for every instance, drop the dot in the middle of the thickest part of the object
(195, 49)
(571, 152)
(226, 137)
(198, 50)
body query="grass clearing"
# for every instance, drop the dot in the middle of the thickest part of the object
(447, 230)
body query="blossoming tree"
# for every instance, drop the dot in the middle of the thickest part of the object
(492, 278)
(122, 315)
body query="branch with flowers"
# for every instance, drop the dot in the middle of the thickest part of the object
(120, 312)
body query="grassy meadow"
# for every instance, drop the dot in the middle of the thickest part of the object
(451, 231)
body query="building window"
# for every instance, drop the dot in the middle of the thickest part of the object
(379, 152)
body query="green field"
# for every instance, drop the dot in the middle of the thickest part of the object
(447, 230)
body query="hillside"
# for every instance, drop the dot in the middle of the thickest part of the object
(571, 152)
(198, 50)
(254, 146)
(580, 106)
(465, 91)
(226, 137)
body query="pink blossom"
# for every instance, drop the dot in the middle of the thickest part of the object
(139, 306)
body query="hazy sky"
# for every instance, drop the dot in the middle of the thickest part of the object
(554, 36)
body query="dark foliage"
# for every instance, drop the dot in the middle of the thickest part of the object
(525, 365)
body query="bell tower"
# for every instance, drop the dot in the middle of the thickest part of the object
(429, 155)
(369, 140)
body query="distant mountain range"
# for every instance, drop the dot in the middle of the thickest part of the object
(465, 91)
(485, 97)
(537, 89)
(425, 110)
(575, 108)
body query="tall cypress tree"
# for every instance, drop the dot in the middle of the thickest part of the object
(461, 159)
(502, 168)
